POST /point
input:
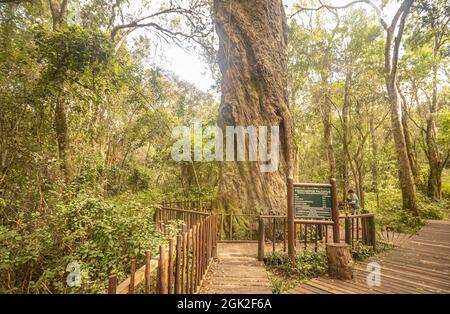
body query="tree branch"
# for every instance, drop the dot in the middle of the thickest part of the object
(331, 7)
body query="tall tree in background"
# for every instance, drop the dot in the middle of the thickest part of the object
(58, 13)
(429, 41)
(253, 63)
(394, 33)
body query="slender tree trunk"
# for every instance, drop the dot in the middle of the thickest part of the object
(374, 161)
(434, 155)
(346, 130)
(361, 183)
(253, 63)
(409, 147)
(404, 169)
(327, 135)
(62, 135)
(58, 12)
(391, 56)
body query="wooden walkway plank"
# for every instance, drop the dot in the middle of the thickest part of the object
(420, 264)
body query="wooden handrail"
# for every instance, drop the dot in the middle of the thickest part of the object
(357, 216)
(313, 185)
(181, 210)
(172, 278)
(139, 277)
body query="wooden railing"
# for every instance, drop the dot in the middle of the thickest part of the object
(204, 205)
(165, 216)
(309, 234)
(180, 267)
(361, 228)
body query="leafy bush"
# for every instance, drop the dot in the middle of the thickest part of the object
(391, 215)
(446, 186)
(306, 265)
(99, 235)
(361, 251)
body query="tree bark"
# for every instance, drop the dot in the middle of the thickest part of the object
(346, 131)
(374, 161)
(340, 262)
(391, 60)
(434, 154)
(253, 63)
(327, 127)
(404, 169)
(58, 11)
(62, 135)
(409, 146)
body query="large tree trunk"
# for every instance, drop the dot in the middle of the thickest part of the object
(253, 63)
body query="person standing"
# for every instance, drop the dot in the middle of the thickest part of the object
(353, 201)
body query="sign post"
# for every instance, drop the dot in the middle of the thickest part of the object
(290, 218)
(311, 203)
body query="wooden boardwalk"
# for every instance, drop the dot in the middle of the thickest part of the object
(236, 271)
(419, 265)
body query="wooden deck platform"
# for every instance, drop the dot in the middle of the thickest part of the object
(419, 265)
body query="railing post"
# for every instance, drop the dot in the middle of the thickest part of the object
(348, 231)
(132, 276)
(214, 235)
(178, 265)
(372, 232)
(274, 235)
(171, 260)
(290, 218)
(231, 226)
(335, 211)
(261, 239)
(112, 287)
(148, 275)
(194, 259)
(162, 270)
(156, 218)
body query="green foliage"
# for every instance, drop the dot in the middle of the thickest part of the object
(446, 186)
(99, 235)
(391, 215)
(306, 265)
(72, 51)
(282, 284)
(361, 251)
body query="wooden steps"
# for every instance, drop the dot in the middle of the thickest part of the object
(236, 271)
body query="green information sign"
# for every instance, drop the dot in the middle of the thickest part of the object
(312, 202)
